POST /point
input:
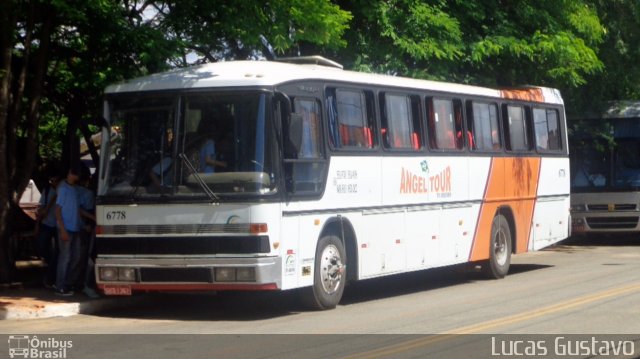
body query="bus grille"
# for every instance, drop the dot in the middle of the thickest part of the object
(180, 275)
(147, 229)
(183, 245)
(612, 222)
(616, 207)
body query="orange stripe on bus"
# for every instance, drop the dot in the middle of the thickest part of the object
(512, 183)
(526, 94)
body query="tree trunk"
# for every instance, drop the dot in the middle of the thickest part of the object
(7, 29)
(25, 168)
(16, 166)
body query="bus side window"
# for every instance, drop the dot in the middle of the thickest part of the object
(445, 124)
(304, 157)
(547, 129)
(350, 118)
(416, 115)
(516, 128)
(400, 128)
(482, 122)
(309, 109)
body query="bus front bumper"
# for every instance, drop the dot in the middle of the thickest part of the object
(125, 275)
(605, 222)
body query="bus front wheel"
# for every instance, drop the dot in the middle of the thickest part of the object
(329, 275)
(499, 249)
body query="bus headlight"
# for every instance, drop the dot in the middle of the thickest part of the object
(246, 274)
(225, 274)
(108, 274)
(127, 274)
(578, 208)
(231, 274)
(117, 274)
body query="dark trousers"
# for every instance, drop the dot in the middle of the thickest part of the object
(80, 263)
(47, 246)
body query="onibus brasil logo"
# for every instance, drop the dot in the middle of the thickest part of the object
(25, 346)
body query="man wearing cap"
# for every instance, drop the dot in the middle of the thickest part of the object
(69, 226)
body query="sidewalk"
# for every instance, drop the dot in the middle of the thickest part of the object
(27, 298)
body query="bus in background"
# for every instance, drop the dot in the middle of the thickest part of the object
(264, 175)
(605, 168)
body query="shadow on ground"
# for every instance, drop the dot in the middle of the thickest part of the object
(626, 239)
(251, 306)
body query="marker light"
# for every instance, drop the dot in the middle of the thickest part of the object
(256, 228)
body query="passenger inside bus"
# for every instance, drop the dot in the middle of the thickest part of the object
(209, 158)
(460, 130)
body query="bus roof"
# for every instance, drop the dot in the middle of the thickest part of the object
(272, 73)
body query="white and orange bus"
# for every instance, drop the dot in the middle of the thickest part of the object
(260, 175)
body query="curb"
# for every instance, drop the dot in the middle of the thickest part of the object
(29, 308)
(26, 298)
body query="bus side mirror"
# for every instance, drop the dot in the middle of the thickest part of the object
(295, 134)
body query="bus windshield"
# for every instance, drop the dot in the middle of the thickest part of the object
(190, 145)
(613, 164)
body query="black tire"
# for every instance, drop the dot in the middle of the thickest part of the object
(499, 249)
(330, 275)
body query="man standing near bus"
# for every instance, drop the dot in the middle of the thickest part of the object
(69, 226)
(46, 228)
(83, 268)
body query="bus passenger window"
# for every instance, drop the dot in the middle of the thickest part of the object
(517, 133)
(350, 120)
(445, 124)
(483, 123)
(399, 122)
(547, 130)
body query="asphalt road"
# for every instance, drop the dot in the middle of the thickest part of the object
(578, 289)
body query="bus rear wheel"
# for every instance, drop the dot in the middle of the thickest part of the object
(329, 275)
(499, 249)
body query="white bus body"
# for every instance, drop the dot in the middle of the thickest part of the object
(355, 206)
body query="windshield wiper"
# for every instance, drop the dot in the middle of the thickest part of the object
(212, 196)
(132, 194)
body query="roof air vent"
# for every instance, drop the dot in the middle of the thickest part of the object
(313, 60)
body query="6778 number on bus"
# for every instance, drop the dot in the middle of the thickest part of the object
(116, 215)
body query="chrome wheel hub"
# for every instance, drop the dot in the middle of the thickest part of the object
(331, 269)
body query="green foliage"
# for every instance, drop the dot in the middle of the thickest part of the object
(546, 42)
(619, 53)
(318, 22)
(51, 133)
(420, 30)
(490, 42)
(229, 29)
(569, 44)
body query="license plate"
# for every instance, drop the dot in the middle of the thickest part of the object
(117, 290)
